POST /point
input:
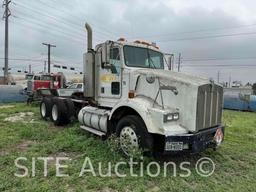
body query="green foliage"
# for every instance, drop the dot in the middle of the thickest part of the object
(235, 159)
(254, 88)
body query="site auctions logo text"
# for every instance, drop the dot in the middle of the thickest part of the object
(204, 167)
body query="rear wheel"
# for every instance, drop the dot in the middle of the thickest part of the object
(133, 135)
(45, 108)
(59, 113)
(71, 108)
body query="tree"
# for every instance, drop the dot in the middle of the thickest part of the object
(254, 88)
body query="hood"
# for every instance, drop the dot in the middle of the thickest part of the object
(174, 76)
(194, 96)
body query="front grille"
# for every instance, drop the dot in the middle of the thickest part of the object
(29, 86)
(209, 106)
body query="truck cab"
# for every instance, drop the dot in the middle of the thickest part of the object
(132, 95)
(44, 81)
(115, 62)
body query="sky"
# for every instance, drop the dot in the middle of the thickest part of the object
(213, 36)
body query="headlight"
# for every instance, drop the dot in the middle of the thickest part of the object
(171, 117)
(176, 116)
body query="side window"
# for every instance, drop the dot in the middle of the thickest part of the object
(36, 78)
(115, 60)
(72, 86)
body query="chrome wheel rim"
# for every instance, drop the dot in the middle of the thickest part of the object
(54, 112)
(43, 109)
(128, 140)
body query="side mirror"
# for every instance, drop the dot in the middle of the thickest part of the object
(105, 55)
(105, 58)
(169, 61)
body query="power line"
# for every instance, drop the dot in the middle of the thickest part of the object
(220, 65)
(45, 14)
(68, 30)
(105, 29)
(65, 62)
(71, 63)
(20, 59)
(198, 31)
(49, 29)
(208, 37)
(219, 59)
(73, 16)
(68, 38)
(52, 18)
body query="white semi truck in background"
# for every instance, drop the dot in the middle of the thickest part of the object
(129, 93)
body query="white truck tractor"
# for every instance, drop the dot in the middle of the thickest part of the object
(129, 93)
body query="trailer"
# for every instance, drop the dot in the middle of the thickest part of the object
(240, 102)
(12, 94)
(129, 93)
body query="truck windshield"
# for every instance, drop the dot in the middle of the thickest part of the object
(29, 77)
(143, 57)
(46, 78)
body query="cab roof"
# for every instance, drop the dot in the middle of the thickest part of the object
(137, 43)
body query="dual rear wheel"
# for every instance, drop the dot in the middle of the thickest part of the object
(60, 111)
(131, 129)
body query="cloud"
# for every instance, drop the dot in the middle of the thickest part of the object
(62, 23)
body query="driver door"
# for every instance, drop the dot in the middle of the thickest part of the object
(110, 79)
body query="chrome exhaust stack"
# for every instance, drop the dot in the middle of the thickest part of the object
(89, 36)
(89, 67)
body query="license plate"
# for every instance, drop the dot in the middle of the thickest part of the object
(174, 146)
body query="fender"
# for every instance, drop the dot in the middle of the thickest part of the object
(141, 106)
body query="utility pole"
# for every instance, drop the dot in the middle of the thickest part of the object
(179, 62)
(172, 61)
(29, 69)
(229, 81)
(218, 77)
(44, 66)
(6, 16)
(49, 55)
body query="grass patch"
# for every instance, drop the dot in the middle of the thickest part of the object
(235, 160)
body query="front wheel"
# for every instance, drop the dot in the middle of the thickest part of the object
(133, 135)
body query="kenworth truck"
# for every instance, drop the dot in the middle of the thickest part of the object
(129, 93)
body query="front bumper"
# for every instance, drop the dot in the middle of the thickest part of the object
(193, 143)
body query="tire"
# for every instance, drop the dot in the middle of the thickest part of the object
(45, 108)
(70, 108)
(134, 129)
(77, 95)
(59, 112)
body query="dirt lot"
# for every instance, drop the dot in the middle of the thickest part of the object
(24, 134)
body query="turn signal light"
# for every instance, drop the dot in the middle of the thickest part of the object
(131, 94)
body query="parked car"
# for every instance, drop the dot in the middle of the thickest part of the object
(77, 86)
(75, 90)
